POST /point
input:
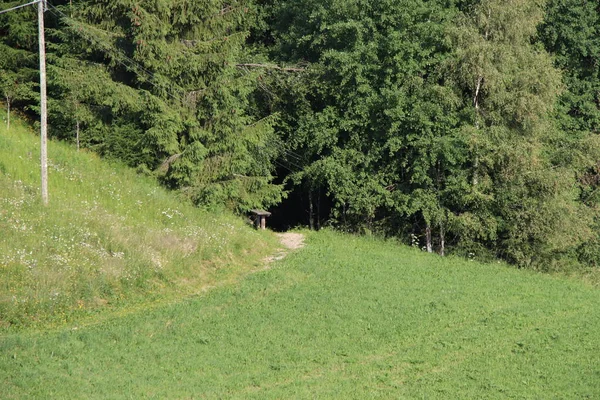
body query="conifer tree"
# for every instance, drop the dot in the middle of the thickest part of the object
(157, 85)
(18, 58)
(432, 118)
(349, 115)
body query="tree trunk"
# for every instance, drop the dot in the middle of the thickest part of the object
(311, 215)
(428, 239)
(478, 87)
(77, 134)
(7, 113)
(475, 168)
(319, 209)
(442, 240)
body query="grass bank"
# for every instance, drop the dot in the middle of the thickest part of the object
(108, 238)
(344, 317)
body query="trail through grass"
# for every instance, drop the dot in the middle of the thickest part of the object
(343, 317)
(110, 237)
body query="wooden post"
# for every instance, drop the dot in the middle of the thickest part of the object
(43, 104)
(261, 218)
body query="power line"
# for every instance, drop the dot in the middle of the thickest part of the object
(71, 21)
(294, 155)
(285, 167)
(293, 164)
(21, 6)
(43, 100)
(117, 55)
(292, 158)
(283, 147)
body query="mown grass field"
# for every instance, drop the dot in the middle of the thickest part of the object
(109, 238)
(344, 317)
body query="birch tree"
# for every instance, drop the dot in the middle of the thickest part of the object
(520, 203)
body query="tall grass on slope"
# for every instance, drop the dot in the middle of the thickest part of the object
(107, 236)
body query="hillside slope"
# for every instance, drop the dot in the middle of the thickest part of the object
(344, 317)
(109, 236)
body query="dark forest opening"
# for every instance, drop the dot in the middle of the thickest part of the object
(295, 210)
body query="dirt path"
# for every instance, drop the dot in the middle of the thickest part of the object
(290, 241)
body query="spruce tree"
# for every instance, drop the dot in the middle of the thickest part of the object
(158, 86)
(18, 58)
(349, 115)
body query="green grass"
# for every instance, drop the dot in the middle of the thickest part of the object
(109, 238)
(344, 317)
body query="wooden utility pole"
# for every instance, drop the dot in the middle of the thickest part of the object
(43, 103)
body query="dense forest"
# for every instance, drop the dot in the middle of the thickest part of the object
(467, 127)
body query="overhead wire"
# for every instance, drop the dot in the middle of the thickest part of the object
(295, 155)
(115, 54)
(284, 166)
(120, 57)
(21, 6)
(292, 154)
(58, 13)
(292, 158)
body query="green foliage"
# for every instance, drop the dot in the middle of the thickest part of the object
(510, 86)
(150, 84)
(571, 33)
(470, 125)
(367, 87)
(18, 62)
(436, 119)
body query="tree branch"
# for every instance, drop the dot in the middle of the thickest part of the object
(271, 66)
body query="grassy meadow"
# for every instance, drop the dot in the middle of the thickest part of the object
(343, 317)
(118, 289)
(109, 237)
